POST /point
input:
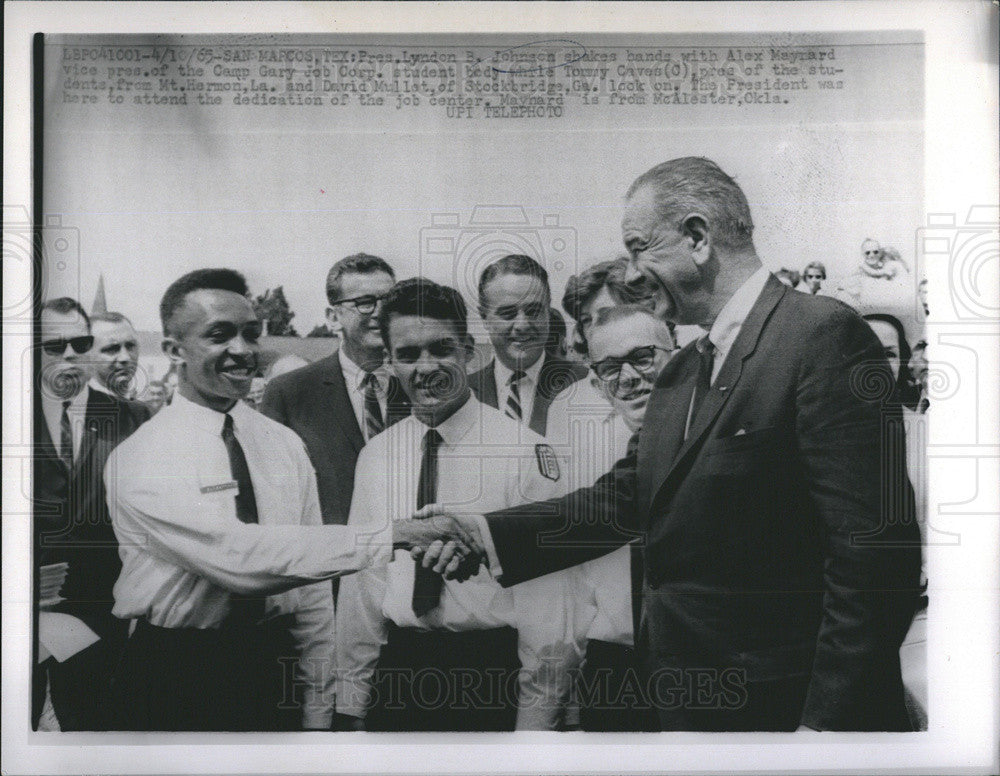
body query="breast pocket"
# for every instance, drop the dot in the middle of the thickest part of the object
(743, 453)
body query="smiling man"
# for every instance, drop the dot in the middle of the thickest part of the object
(781, 554)
(415, 653)
(522, 379)
(216, 511)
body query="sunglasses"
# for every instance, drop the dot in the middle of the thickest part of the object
(80, 345)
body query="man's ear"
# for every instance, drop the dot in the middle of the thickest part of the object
(172, 350)
(333, 320)
(695, 228)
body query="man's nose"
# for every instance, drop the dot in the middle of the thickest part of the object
(239, 346)
(632, 273)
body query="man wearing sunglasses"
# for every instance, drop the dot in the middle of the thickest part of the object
(75, 429)
(340, 402)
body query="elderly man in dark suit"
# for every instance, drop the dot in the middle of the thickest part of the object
(76, 428)
(340, 402)
(522, 379)
(781, 555)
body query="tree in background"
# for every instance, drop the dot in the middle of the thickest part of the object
(321, 331)
(273, 311)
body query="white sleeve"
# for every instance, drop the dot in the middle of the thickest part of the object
(245, 558)
(313, 629)
(362, 629)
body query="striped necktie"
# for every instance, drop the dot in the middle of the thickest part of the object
(513, 408)
(66, 436)
(374, 423)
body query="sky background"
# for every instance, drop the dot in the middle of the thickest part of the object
(149, 193)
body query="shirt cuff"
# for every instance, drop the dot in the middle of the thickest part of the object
(317, 718)
(491, 550)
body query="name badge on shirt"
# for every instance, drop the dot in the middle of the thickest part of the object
(548, 464)
(231, 485)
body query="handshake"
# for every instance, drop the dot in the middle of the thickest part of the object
(449, 543)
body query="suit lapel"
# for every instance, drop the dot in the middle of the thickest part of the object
(544, 392)
(340, 403)
(729, 375)
(488, 386)
(663, 427)
(397, 402)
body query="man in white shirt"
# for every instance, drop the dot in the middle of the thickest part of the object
(522, 379)
(222, 542)
(446, 658)
(115, 354)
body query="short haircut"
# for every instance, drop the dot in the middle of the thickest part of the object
(64, 305)
(110, 317)
(201, 279)
(815, 265)
(427, 299)
(621, 312)
(557, 330)
(581, 289)
(513, 264)
(694, 184)
(360, 263)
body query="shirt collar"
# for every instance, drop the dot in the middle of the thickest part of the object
(354, 376)
(206, 419)
(503, 373)
(728, 323)
(455, 428)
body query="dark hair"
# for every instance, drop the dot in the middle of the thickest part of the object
(360, 263)
(201, 279)
(64, 305)
(419, 296)
(110, 317)
(693, 184)
(904, 391)
(514, 264)
(581, 289)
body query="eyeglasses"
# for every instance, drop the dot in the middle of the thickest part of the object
(363, 304)
(80, 345)
(875, 252)
(641, 359)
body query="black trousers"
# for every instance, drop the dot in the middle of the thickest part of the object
(612, 691)
(234, 678)
(446, 681)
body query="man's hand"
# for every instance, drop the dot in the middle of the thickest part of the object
(453, 560)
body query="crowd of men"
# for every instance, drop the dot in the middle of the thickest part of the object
(640, 537)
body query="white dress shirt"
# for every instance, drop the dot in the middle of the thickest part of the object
(354, 377)
(52, 410)
(526, 386)
(486, 461)
(185, 553)
(594, 436)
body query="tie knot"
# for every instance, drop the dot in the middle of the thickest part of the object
(66, 404)
(516, 377)
(705, 346)
(432, 439)
(370, 379)
(227, 426)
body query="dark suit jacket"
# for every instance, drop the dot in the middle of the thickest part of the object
(554, 377)
(780, 536)
(72, 522)
(314, 403)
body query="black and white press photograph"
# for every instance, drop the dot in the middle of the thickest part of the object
(575, 396)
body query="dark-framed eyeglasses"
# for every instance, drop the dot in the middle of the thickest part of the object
(642, 359)
(365, 304)
(80, 345)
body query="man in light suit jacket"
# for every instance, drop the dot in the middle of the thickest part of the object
(522, 379)
(76, 428)
(782, 557)
(338, 403)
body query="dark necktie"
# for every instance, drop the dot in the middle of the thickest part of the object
(374, 424)
(426, 583)
(245, 611)
(513, 409)
(706, 354)
(66, 436)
